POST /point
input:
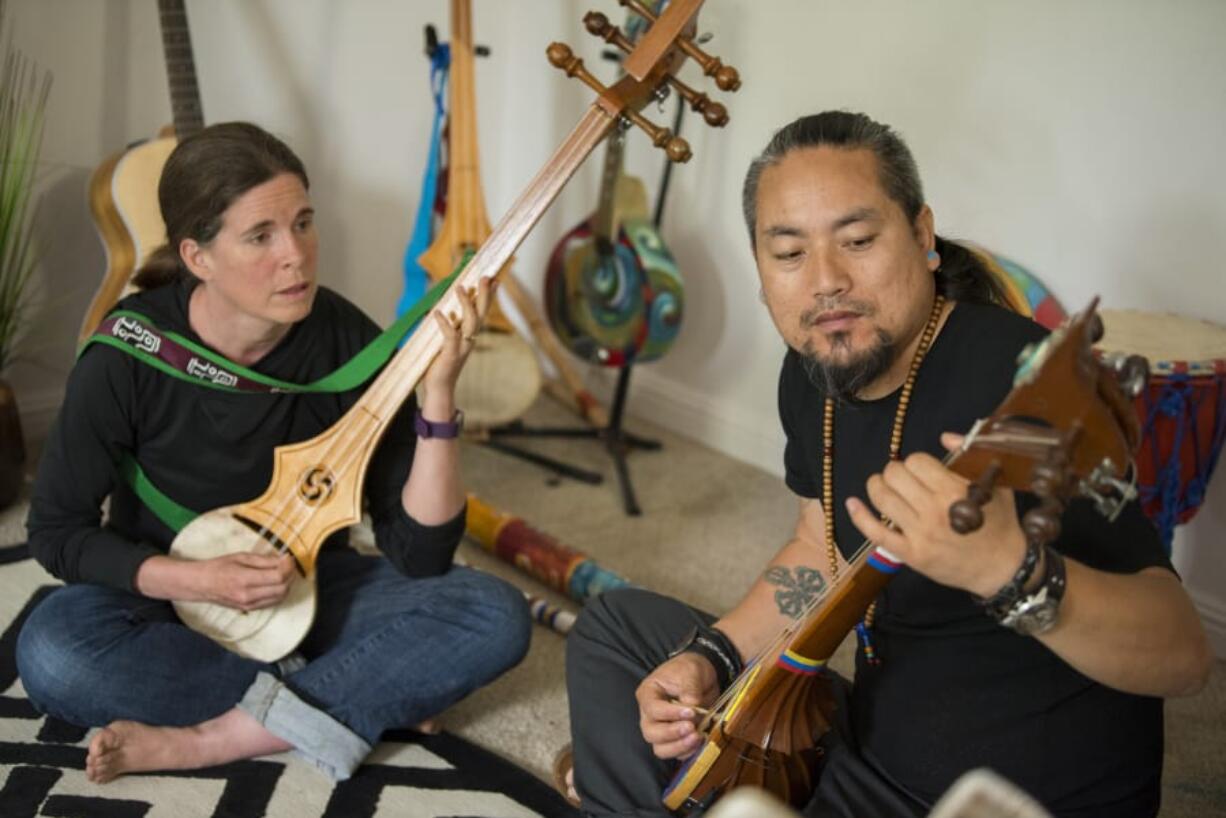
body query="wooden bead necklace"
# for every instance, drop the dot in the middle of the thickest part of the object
(904, 399)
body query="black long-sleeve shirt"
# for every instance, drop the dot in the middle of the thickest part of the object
(206, 448)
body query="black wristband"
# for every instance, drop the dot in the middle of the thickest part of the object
(1001, 601)
(715, 646)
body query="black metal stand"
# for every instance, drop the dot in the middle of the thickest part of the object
(617, 440)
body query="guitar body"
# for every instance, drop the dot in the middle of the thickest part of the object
(617, 301)
(124, 203)
(266, 634)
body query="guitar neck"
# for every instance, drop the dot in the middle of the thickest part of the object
(465, 200)
(400, 377)
(180, 68)
(604, 222)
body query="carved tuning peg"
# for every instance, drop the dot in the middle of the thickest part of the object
(726, 77)
(676, 148)
(966, 515)
(713, 113)
(561, 56)
(1042, 523)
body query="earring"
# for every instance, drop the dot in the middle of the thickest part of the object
(933, 255)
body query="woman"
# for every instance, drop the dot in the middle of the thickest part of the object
(395, 641)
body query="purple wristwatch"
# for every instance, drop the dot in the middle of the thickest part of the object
(443, 431)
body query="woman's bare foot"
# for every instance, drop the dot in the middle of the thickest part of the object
(129, 746)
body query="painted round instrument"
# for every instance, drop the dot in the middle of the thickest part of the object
(1026, 294)
(1066, 427)
(317, 484)
(1182, 411)
(613, 293)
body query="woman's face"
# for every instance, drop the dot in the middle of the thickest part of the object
(262, 263)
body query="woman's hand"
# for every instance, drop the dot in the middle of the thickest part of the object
(459, 337)
(245, 581)
(241, 580)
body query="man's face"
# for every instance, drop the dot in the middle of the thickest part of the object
(844, 273)
(262, 261)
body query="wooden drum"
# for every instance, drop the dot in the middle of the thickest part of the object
(1182, 411)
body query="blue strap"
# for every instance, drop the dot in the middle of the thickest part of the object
(415, 278)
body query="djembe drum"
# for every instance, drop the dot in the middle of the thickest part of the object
(1182, 412)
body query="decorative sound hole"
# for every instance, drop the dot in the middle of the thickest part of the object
(316, 485)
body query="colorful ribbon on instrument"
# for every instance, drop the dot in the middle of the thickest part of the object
(558, 566)
(415, 276)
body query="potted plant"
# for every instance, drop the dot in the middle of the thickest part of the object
(23, 103)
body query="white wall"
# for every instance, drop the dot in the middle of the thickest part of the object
(1081, 139)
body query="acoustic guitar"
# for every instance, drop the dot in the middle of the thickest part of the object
(316, 487)
(1067, 428)
(123, 191)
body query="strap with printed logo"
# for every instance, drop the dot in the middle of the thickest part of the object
(186, 360)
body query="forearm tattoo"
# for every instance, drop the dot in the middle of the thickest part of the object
(799, 586)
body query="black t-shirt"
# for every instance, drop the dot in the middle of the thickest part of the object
(206, 448)
(954, 690)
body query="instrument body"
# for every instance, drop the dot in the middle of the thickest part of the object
(123, 190)
(317, 484)
(1065, 428)
(613, 293)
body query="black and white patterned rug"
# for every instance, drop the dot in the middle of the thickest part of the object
(42, 762)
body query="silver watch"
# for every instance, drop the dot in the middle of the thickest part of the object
(1039, 611)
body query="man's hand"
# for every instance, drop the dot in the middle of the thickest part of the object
(667, 699)
(915, 495)
(245, 581)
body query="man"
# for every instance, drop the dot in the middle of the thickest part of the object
(894, 340)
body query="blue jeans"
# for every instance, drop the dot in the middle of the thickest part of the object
(385, 651)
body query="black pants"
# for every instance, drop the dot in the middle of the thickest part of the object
(620, 637)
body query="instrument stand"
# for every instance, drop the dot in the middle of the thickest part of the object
(618, 442)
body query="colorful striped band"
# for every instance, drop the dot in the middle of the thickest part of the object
(794, 662)
(884, 561)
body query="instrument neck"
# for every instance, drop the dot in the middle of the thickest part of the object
(465, 200)
(185, 104)
(398, 379)
(604, 223)
(819, 633)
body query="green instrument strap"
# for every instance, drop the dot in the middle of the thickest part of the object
(349, 375)
(173, 515)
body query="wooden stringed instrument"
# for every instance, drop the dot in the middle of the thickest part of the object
(1066, 428)
(502, 376)
(613, 293)
(316, 487)
(123, 191)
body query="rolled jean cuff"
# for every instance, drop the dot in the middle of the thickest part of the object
(316, 736)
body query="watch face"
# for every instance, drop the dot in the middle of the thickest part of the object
(1034, 615)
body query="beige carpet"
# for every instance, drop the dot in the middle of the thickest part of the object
(708, 525)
